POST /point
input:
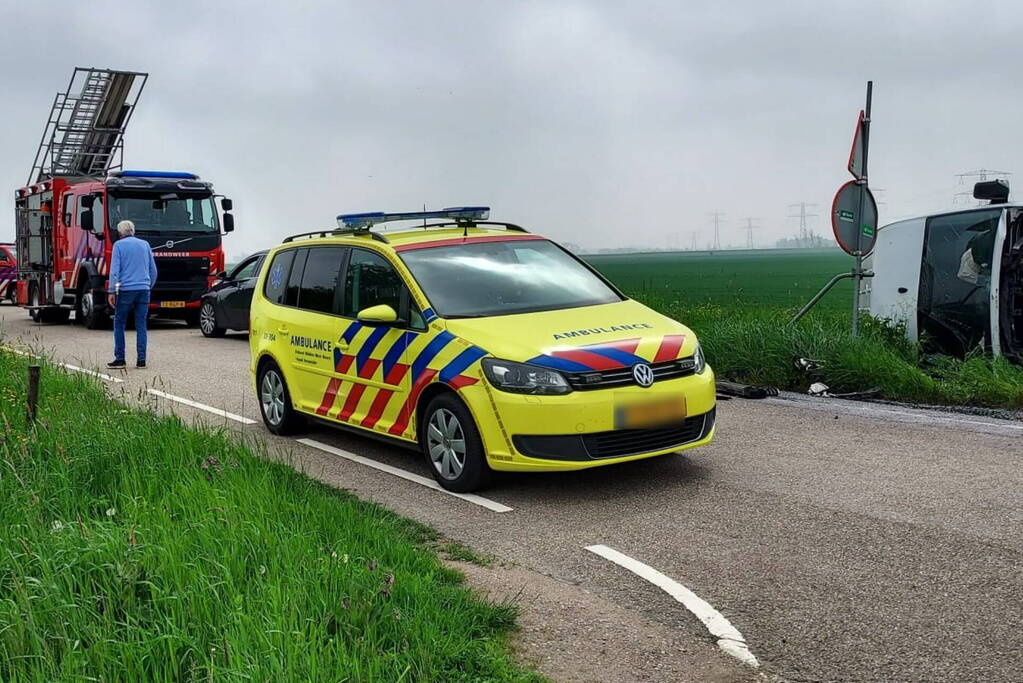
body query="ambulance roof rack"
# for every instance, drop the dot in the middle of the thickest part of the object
(84, 135)
(334, 233)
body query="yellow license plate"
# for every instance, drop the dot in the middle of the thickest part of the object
(172, 304)
(646, 414)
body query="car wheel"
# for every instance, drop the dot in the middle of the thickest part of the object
(208, 320)
(192, 318)
(279, 416)
(452, 446)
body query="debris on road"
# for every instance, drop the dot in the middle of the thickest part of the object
(744, 390)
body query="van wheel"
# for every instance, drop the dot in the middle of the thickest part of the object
(452, 446)
(279, 416)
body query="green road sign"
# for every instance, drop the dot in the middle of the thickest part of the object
(854, 231)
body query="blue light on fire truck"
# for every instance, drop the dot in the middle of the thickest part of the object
(156, 174)
(355, 222)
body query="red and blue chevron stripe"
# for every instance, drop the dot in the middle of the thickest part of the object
(608, 355)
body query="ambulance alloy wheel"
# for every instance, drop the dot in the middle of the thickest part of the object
(208, 320)
(452, 446)
(275, 401)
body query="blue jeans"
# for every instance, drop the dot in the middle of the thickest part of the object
(137, 301)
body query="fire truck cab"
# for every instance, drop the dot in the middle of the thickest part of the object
(954, 280)
(66, 229)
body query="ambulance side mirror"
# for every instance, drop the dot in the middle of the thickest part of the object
(378, 316)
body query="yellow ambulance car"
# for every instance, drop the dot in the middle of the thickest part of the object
(488, 347)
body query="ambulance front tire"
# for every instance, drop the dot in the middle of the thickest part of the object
(451, 444)
(279, 416)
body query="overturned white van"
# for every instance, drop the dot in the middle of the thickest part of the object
(954, 279)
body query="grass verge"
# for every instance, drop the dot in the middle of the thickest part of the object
(759, 347)
(133, 547)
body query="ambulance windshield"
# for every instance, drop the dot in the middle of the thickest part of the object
(481, 279)
(164, 212)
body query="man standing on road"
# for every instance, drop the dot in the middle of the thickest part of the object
(132, 276)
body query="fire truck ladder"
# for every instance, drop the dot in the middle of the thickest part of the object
(84, 135)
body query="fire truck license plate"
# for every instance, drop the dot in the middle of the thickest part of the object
(172, 304)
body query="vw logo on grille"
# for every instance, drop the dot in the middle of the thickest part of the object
(169, 244)
(643, 374)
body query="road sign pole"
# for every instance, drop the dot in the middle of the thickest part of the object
(858, 270)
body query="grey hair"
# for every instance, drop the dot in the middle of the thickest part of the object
(125, 228)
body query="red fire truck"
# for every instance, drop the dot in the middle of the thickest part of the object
(66, 217)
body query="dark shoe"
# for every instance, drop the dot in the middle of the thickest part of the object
(117, 364)
(140, 364)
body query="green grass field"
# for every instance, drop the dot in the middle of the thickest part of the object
(739, 304)
(776, 278)
(135, 548)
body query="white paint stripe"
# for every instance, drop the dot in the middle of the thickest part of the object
(398, 472)
(66, 366)
(93, 373)
(730, 640)
(201, 406)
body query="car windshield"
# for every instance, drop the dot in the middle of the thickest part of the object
(163, 213)
(479, 279)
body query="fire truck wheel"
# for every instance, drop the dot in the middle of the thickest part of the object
(33, 300)
(208, 321)
(279, 416)
(86, 311)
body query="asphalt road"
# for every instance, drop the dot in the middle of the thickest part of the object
(845, 541)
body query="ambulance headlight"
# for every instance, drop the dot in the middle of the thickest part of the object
(699, 362)
(521, 378)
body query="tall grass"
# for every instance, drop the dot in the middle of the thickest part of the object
(135, 548)
(758, 346)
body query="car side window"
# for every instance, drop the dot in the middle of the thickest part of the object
(320, 279)
(275, 286)
(295, 280)
(370, 281)
(247, 269)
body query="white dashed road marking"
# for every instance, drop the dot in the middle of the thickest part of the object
(494, 506)
(729, 639)
(201, 406)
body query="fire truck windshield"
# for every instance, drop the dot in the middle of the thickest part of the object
(164, 213)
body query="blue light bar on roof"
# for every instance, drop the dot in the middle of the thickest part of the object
(355, 222)
(156, 174)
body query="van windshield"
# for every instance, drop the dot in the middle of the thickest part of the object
(163, 213)
(480, 279)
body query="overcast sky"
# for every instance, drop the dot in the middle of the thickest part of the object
(599, 123)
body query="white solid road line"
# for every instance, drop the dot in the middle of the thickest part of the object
(66, 366)
(398, 472)
(93, 373)
(201, 406)
(729, 639)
